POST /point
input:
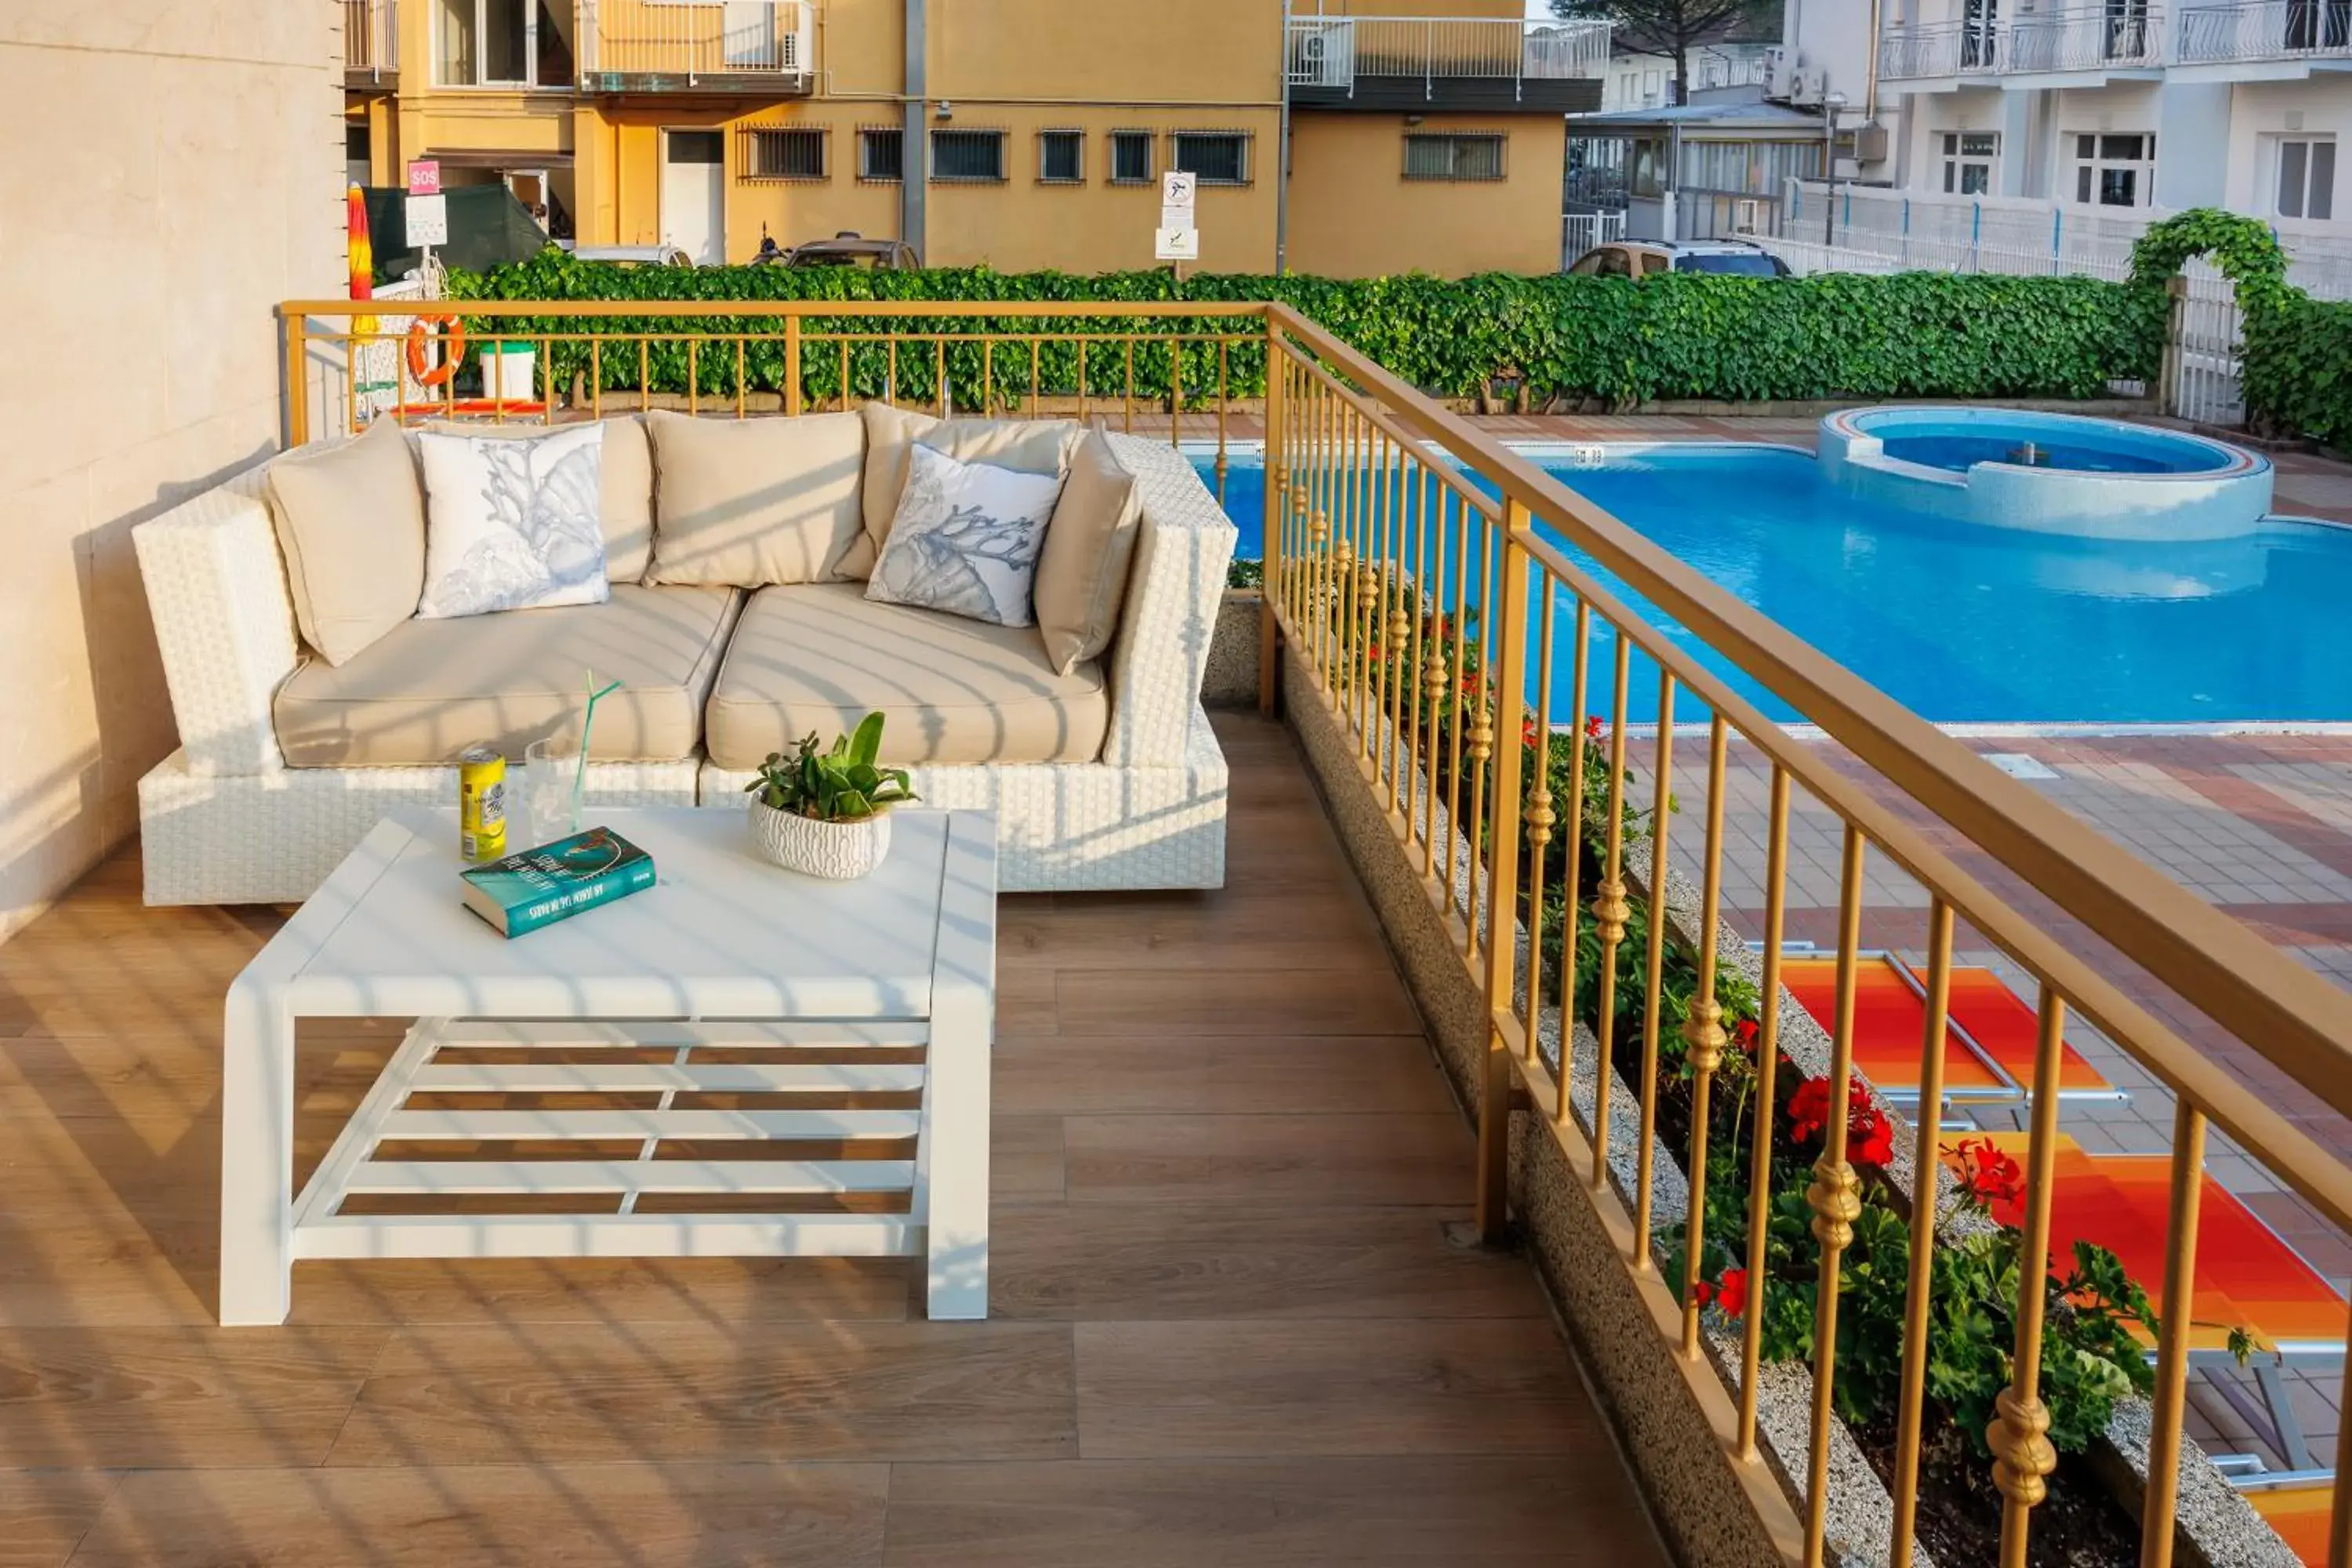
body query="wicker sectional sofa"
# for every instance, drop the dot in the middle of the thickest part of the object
(1106, 777)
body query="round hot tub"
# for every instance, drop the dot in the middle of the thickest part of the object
(2048, 473)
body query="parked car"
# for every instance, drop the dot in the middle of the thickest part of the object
(1646, 257)
(642, 255)
(846, 248)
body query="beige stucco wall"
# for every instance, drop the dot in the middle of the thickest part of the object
(174, 168)
(1354, 214)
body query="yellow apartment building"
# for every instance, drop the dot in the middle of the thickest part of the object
(1019, 134)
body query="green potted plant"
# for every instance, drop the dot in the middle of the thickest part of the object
(827, 813)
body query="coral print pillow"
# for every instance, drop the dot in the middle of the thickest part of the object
(965, 539)
(512, 525)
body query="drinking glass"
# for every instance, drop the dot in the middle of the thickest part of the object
(549, 767)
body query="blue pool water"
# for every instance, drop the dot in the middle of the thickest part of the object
(1961, 623)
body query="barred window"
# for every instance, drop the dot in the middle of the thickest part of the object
(968, 155)
(1061, 157)
(881, 152)
(1477, 155)
(785, 153)
(1130, 157)
(1214, 157)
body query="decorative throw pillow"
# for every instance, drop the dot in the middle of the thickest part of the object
(966, 538)
(1030, 445)
(351, 524)
(512, 525)
(627, 461)
(1081, 571)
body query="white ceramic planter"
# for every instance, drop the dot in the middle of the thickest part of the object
(838, 850)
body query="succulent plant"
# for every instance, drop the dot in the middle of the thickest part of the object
(843, 784)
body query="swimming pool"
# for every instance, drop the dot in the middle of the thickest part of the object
(1964, 624)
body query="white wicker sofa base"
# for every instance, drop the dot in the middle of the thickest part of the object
(224, 820)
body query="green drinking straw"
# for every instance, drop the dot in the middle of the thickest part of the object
(587, 724)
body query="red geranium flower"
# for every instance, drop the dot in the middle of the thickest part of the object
(1731, 1292)
(1746, 1032)
(1870, 1137)
(1373, 652)
(1702, 1292)
(1529, 731)
(1594, 729)
(1986, 1174)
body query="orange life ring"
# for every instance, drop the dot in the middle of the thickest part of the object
(453, 342)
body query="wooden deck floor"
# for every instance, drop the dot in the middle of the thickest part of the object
(1229, 1328)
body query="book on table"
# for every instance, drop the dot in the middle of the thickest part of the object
(535, 888)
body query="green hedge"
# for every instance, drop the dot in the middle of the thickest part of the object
(1915, 334)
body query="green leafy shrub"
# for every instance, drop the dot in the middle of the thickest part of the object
(1681, 335)
(843, 784)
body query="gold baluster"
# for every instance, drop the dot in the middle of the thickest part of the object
(546, 381)
(1572, 854)
(1224, 400)
(1454, 836)
(298, 381)
(742, 385)
(1082, 380)
(1370, 526)
(1909, 1418)
(1480, 740)
(846, 402)
(2161, 1504)
(792, 364)
(1413, 679)
(1129, 426)
(1768, 1062)
(1703, 1034)
(1645, 1146)
(987, 377)
(1609, 911)
(1834, 1197)
(693, 377)
(1036, 354)
(1429, 658)
(1538, 815)
(1510, 685)
(1175, 392)
(2019, 1434)
(1276, 514)
(1391, 618)
(596, 376)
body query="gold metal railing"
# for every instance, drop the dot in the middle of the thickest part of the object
(1433, 584)
(1164, 368)
(1443, 596)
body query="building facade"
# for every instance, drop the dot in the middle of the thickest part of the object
(2100, 117)
(1019, 134)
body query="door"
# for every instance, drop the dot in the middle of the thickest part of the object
(694, 195)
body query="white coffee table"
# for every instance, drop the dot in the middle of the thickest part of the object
(751, 980)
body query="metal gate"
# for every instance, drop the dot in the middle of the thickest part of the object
(2205, 325)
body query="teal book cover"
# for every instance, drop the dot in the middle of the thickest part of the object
(535, 888)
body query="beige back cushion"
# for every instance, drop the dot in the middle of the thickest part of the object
(351, 524)
(750, 502)
(626, 515)
(1090, 546)
(1030, 445)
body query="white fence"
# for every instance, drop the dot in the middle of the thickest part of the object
(1870, 230)
(1580, 232)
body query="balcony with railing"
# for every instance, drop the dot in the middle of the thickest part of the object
(2263, 31)
(2089, 41)
(1445, 62)
(667, 46)
(371, 42)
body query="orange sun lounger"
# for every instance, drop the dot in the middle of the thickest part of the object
(2299, 1514)
(1990, 1035)
(2246, 1275)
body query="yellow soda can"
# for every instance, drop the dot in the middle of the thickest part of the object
(481, 803)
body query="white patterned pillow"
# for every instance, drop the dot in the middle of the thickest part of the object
(965, 539)
(512, 525)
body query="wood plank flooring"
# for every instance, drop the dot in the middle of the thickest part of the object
(1229, 1325)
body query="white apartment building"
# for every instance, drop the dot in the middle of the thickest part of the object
(2117, 110)
(1640, 81)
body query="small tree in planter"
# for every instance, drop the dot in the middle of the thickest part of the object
(827, 813)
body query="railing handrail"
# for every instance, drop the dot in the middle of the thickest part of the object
(755, 309)
(1390, 46)
(2293, 1017)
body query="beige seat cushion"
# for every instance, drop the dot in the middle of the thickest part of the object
(431, 688)
(1030, 445)
(952, 690)
(748, 502)
(350, 524)
(626, 476)
(1090, 546)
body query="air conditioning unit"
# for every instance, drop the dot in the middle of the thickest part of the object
(1775, 73)
(1808, 85)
